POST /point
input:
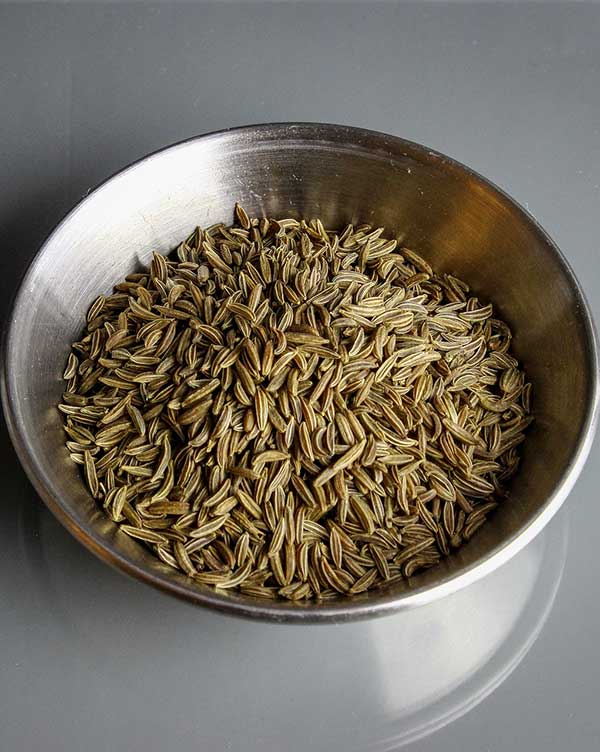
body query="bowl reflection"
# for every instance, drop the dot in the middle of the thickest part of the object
(241, 685)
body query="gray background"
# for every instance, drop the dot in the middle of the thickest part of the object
(92, 661)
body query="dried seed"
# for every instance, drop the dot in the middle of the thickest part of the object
(149, 536)
(346, 460)
(90, 472)
(295, 412)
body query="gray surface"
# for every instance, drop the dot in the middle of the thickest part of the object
(92, 661)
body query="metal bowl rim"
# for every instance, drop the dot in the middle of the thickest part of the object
(342, 610)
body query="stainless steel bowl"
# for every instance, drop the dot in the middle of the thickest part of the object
(462, 223)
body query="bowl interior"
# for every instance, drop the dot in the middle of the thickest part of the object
(458, 221)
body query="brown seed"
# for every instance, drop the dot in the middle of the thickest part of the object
(90, 473)
(346, 460)
(295, 412)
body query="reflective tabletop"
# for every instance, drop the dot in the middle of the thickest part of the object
(91, 660)
(232, 684)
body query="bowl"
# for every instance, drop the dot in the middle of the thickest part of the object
(459, 221)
